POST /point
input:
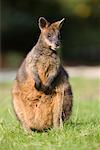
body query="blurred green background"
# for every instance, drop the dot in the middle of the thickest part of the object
(80, 33)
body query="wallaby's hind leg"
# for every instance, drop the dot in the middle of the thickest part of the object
(67, 103)
(18, 108)
(57, 110)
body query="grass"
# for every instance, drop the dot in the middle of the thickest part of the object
(81, 132)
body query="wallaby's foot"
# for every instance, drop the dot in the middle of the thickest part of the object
(58, 126)
(27, 129)
(61, 123)
(58, 123)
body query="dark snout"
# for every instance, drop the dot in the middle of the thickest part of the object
(58, 44)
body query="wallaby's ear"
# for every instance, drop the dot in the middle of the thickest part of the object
(59, 23)
(43, 23)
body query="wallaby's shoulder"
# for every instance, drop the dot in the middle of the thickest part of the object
(22, 71)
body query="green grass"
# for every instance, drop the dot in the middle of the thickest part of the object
(81, 132)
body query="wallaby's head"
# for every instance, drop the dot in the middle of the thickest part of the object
(50, 33)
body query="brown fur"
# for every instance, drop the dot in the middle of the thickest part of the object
(34, 108)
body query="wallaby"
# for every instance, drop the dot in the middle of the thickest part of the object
(42, 95)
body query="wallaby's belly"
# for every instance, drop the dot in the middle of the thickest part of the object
(36, 107)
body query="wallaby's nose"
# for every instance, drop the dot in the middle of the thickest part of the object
(58, 43)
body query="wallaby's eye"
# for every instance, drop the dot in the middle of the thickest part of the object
(49, 35)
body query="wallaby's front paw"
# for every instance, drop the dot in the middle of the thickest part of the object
(47, 89)
(38, 85)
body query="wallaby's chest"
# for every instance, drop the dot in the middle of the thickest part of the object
(48, 62)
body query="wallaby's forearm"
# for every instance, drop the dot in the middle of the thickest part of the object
(51, 78)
